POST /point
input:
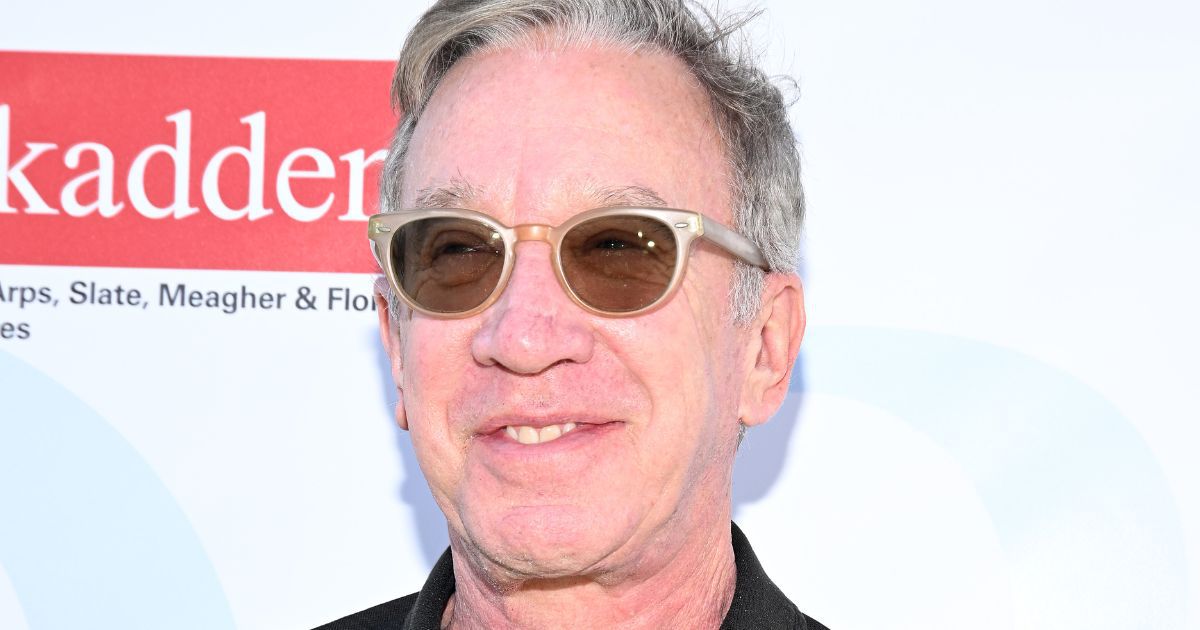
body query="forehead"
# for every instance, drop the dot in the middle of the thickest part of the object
(538, 134)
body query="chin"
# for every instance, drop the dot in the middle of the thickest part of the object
(553, 541)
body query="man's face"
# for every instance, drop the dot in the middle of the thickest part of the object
(537, 137)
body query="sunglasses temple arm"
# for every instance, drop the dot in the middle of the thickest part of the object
(735, 244)
(376, 256)
(378, 235)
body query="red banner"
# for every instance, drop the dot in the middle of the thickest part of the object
(177, 162)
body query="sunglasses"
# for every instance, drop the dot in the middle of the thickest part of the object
(615, 262)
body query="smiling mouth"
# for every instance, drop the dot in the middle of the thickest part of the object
(531, 435)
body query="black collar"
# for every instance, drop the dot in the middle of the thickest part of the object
(757, 602)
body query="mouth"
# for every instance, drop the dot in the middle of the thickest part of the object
(528, 451)
(533, 431)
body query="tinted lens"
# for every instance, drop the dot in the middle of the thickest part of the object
(619, 263)
(448, 265)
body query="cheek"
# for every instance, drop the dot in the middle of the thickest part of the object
(716, 357)
(671, 353)
(432, 351)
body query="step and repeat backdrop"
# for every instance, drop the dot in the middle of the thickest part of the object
(994, 417)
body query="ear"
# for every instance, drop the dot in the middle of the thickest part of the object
(389, 335)
(773, 345)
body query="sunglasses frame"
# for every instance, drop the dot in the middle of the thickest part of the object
(687, 225)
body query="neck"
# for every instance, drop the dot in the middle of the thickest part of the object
(686, 586)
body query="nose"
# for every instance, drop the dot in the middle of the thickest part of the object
(534, 325)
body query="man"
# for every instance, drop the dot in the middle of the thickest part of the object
(577, 339)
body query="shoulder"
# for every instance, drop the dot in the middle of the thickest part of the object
(382, 617)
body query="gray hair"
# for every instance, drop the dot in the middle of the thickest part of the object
(749, 110)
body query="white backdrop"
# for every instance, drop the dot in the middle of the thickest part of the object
(995, 422)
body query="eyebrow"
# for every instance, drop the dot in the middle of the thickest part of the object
(616, 196)
(459, 193)
(456, 193)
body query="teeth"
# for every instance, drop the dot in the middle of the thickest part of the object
(530, 435)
